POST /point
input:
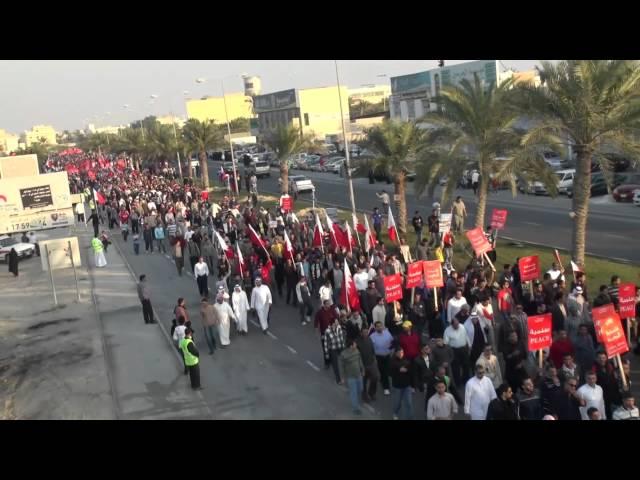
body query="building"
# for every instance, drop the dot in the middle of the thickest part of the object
(239, 105)
(108, 130)
(40, 133)
(368, 100)
(413, 95)
(8, 142)
(171, 119)
(316, 111)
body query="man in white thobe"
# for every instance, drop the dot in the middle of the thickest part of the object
(240, 308)
(261, 302)
(224, 314)
(592, 393)
(478, 393)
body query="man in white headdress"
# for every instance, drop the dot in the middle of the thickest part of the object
(261, 301)
(240, 305)
(224, 314)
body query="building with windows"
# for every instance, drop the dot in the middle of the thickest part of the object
(8, 142)
(40, 134)
(413, 95)
(368, 101)
(316, 111)
(239, 105)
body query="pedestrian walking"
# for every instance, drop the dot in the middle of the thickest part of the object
(459, 212)
(371, 374)
(478, 394)
(376, 217)
(201, 274)
(225, 314)
(191, 358)
(442, 405)
(178, 254)
(209, 321)
(382, 341)
(351, 371)
(13, 262)
(384, 197)
(503, 407)
(261, 302)
(98, 252)
(400, 371)
(159, 235)
(334, 343)
(95, 220)
(304, 301)
(144, 294)
(240, 304)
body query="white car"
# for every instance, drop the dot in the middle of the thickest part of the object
(300, 183)
(636, 198)
(23, 249)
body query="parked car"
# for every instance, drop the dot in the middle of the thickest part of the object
(260, 169)
(333, 164)
(24, 250)
(617, 163)
(636, 198)
(624, 191)
(599, 184)
(565, 181)
(300, 183)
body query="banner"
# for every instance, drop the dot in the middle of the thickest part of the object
(286, 203)
(627, 300)
(478, 241)
(539, 332)
(498, 218)
(445, 222)
(529, 268)
(432, 274)
(393, 287)
(609, 330)
(414, 274)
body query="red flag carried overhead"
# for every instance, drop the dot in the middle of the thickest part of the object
(393, 231)
(370, 238)
(351, 241)
(318, 233)
(241, 263)
(360, 228)
(575, 268)
(265, 271)
(228, 251)
(287, 246)
(332, 233)
(99, 197)
(348, 291)
(254, 237)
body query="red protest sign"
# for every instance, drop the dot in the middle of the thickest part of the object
(432, 270)
(529, 268)
(498, 218)
(627, 300)
(478, 241)
(539, 328)
(393, 287)
(609, 330)
(286, 203)
(414, 275)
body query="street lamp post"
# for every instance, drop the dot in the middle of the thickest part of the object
(346, 145)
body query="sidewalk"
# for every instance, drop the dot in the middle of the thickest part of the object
(147, 377)
(76, 361)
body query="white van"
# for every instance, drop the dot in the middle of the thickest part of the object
(565, 181)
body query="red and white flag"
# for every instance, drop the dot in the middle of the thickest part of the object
(348, 294)
(393, 231)
(287, 246)
(350, 238)
(370, 237)
(241, 263)
(255, 238)
(318, 233)
(358, 227)
(228, 251)
(332, 233)
(99, 197)
(575, 268)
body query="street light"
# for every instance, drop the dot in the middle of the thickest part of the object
(346, 145)
(226, 114)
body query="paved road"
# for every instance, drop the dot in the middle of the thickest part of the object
(613, 228)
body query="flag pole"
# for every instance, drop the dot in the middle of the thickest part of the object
(346, 144)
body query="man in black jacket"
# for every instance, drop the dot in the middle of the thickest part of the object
(424, 366)
(566, 405)
(417, 223)
(400, 370)
(503, 407)
(529, 401)
(371, 373)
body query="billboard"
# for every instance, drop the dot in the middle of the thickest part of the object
(283, 100)
(411, 83)
(487, 71)
(59, 253)
(19, 166)
(35, 202)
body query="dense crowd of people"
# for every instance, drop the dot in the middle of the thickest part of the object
(463, 347)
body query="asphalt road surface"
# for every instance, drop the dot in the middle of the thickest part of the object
(612, 228)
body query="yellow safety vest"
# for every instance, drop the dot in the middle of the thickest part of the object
(189, 359)
(96, 243)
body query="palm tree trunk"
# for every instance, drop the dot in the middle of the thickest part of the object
(482, 199)
(204, 168)
(284, 176)
(401, 203)
(580, 205)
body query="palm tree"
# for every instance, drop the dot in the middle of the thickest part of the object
(131, 141)
(161, 142)
(475, 126)
(202, 136)
(286, 141)
(594, 105)
(395, 145)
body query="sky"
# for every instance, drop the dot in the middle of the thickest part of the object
(69, 94)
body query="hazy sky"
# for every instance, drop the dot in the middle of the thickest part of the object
(71, 93)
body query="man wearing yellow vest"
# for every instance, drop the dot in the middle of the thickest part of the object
(191, 358)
